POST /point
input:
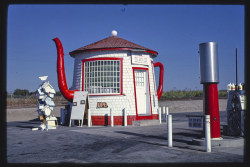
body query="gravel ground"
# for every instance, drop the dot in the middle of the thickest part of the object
(26, 114)
(190, 105)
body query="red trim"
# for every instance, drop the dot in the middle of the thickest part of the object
(150, 95)
(107, 95)
(152, 52)
(135, 94)
(103, 49)
(121, 75)
(105, 58)
(82, 75)
(137, 116)
(153, 72)
(155, 116)
(118, 120)
(102, 58)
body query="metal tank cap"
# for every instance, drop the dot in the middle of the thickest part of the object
(209, 63)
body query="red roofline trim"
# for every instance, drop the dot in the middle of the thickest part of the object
(102, 49)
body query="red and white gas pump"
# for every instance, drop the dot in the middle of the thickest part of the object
(209, 77)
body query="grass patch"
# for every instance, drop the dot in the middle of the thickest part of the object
(188, 94)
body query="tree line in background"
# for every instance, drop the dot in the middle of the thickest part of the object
(173, 94)
(24, 98)
(26, 93)
(188, 94)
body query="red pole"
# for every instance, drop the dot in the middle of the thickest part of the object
(211, 103)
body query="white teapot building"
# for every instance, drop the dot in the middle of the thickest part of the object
(118, 74)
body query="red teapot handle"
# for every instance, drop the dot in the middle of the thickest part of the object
(160, 87)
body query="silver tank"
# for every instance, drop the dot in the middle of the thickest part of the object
(209, 63)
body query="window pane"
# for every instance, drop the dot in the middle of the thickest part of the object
(104, 68)
(102, 76)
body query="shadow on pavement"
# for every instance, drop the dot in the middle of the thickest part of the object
(29, 127)
(185, 134)
(140, 135)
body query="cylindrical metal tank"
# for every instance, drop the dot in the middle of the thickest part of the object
(209, 64)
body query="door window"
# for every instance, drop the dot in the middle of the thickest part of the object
(139, 78)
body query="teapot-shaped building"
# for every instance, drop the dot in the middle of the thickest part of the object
(118, 74)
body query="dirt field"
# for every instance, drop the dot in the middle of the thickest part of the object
(25, 114)
(190, 105)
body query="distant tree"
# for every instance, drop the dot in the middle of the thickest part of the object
(58, 93)
(32, 93)
(21, 92)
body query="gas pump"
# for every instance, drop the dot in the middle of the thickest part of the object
(235, 108)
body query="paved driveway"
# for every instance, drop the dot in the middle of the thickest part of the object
(117, 144)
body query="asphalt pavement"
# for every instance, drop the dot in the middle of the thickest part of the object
(119, 144)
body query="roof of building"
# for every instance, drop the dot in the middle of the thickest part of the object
(112, 43)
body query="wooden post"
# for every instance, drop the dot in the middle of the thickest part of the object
(170, 143)
(159, 109)
(111, 118)
(125, 117)
(164, 113)
(89, 118)
(207, 133)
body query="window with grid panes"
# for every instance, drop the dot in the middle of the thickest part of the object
(102, 77)
(139, 78)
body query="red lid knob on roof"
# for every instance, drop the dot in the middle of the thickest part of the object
(112, 43)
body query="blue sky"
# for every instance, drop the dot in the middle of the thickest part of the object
(174, 31)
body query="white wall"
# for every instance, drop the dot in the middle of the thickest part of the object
(117, 102)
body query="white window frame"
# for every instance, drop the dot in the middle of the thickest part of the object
(102, 76)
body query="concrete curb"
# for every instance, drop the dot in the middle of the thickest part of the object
(225, 141)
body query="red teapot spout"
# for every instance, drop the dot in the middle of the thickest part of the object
(62, 84)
